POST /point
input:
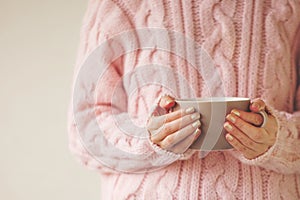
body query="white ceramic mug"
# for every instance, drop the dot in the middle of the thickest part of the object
(213, 111)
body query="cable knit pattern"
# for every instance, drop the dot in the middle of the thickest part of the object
(255, 46)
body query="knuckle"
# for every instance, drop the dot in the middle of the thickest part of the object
(168, 141)
(154, 140)
(178, 113)
(167, 128)
(241, 124)
(234, 132)
(150, 121)
(240, 147)
(154, 136)
(182, 123)
(162, 145)
(156, 122)
(234, 144)
(243, 149)
(257, 136)
(249, 143)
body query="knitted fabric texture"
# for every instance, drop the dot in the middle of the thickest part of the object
(254, 46)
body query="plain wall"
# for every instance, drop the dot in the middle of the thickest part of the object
(38, 45)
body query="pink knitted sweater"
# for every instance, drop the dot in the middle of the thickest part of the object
(145, 52)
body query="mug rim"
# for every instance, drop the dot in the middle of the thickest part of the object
(213, 99)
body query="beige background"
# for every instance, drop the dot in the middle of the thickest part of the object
(38, 45)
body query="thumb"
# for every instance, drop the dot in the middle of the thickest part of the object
(167, 102)
(257, 105)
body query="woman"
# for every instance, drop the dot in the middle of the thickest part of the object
(148, 59)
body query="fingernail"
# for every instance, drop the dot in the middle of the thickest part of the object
(228, 126)
(231, 118)
(229, 137)
(170, 103)
(237, 113)
(196, 124)
(195, 116)
(255, 105)
(190, 110)
(197, 131)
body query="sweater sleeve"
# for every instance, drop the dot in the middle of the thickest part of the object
(103, 134)
(284, 155)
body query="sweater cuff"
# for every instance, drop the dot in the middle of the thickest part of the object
(275, 157)
(163, 157)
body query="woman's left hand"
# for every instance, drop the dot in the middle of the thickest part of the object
(245, 133)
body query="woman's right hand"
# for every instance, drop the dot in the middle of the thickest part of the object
(174, 131)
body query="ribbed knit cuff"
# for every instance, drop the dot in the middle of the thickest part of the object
(188, 154)
(163, 157)
(277, 156)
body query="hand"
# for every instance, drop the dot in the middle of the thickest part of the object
(245, 133)
(174, 131)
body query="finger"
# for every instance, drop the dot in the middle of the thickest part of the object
(184, 144)
(157, 121)
(167, 102)
(248, 153)
(250, 117)
(257, 105)
(253, 132)
(178, 136)
(243, 139)
(173, 126)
